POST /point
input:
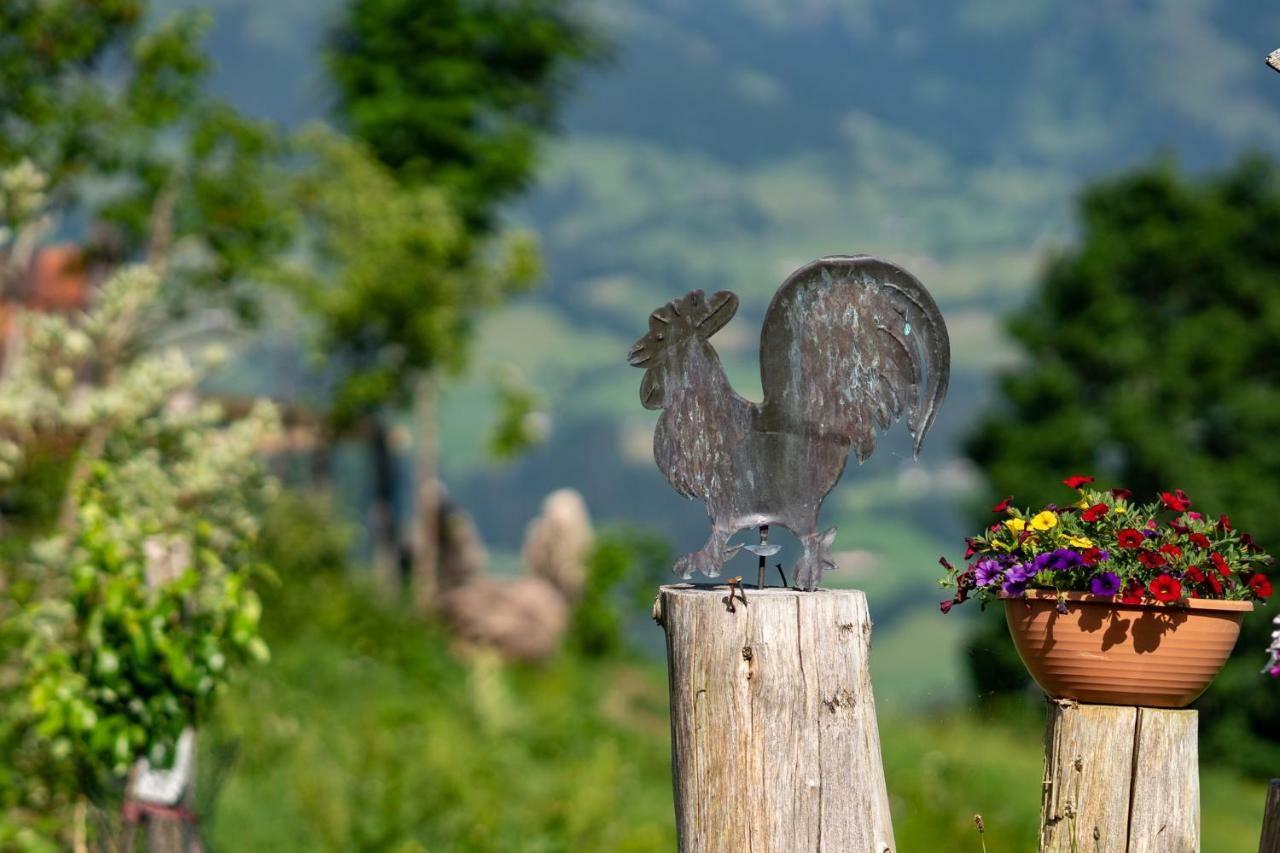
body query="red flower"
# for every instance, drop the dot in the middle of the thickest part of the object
(1151, 559)
(1215, 583)
(946, 564)
(1200, 540)
(1170, 550)
(969, 548)
(1246, 539)
(945, 606)
(1130, 538)
(1195, 574)
(1077, 482)
(1224, 523)
(1094, 512)
(1003, 505)
(1260, 585)
(1132, 593)
(1220, 564)
(1179, 528)
(1091, 556)
(1178, 501)
(1121, 494)
(1166, 589)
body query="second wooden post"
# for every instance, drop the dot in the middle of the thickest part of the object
(773, 723)
(1120, 778)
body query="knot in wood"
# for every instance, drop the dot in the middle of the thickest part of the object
(747, 654)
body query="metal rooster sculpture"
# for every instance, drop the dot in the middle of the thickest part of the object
(848, 345)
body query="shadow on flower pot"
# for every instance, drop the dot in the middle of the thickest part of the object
(1152, 626)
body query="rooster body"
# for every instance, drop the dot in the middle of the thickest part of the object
(849, 344)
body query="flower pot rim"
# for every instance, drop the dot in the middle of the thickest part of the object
(1114, 601)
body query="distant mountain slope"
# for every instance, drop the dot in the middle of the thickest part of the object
(731, 140)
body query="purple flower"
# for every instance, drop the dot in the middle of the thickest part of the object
(1042, 563)
(986, 572)
(1107, 583)
(1013, 590)
(1019, 574)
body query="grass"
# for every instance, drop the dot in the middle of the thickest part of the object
(367, 732)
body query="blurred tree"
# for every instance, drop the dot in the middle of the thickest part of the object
(137, 160)
(122, 622)
(1152, 360)
(456, 95)
(396, 281)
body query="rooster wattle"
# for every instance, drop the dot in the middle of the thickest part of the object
(849, 344)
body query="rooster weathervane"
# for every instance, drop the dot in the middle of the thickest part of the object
(849, 344)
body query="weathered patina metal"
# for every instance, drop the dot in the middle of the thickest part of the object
(849, 344)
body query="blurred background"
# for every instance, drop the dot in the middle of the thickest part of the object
(428, 231)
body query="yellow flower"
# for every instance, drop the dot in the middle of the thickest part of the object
(1079, 542)
(1120, 508)
(1083, 503)
(1044, 520)
(1017, 525)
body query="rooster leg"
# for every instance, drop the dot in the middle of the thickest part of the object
(816, 558)
(713, 555)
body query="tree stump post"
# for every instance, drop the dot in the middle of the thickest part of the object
(1120, 778)
(1270, 841)
(773, 723)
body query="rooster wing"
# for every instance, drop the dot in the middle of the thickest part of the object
(848, 345)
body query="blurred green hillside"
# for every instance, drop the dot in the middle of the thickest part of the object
(731, 140)
(368, 731)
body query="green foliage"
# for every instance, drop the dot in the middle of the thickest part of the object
(458, 93)
(126, 608)
(113, 114)
(1151, 360)
(620, 570)
(393, 278)
(521, 421)
(366, 731)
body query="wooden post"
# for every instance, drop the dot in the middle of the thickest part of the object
(1120, 778)
(773, 724)
(1270, 842)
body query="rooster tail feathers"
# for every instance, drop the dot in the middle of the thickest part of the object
(850, 344)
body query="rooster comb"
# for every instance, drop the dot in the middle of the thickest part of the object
(692, 314)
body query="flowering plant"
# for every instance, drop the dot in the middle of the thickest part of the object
(1108, 545)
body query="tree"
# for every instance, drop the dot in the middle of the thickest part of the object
(456, 96)
(1152, 360)
(395, 282)
(111, 112)
(458, 93)
(123, 619)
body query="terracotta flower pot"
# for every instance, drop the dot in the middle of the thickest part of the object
(1105, 652)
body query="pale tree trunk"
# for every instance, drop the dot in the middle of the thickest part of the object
(1120, 778)
(773, 722)
(427, 492)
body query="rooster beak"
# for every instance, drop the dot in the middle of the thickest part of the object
(638, 356)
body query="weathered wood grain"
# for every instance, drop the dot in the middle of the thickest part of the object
(774, 738)
(1084, 804)
(1164, 814)
(1120, 778)
(1270, 841)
